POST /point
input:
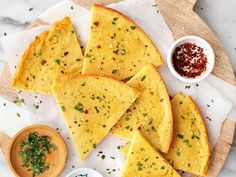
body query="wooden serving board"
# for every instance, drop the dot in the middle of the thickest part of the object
(182, 20)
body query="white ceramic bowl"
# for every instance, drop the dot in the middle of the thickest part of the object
(207, 49)
(88, 172)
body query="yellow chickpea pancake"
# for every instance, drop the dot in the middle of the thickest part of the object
(190, 150)
(151, 113)
(145, 161)
(53, 53)
(116, 46)
(91, 106)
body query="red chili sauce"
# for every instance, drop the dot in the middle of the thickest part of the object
(189, 60)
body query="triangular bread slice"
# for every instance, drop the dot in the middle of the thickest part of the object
(91, 106)
(116, 46)
(54, 52)
(151, 113)
(145, 161)
(190, 150)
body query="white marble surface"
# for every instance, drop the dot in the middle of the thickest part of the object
(15, 16)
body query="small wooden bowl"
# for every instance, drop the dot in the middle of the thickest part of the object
(56, 159)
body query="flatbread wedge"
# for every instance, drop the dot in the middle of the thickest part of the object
(53, 53)
(151, 113)
(190, 150)
(91, 106)
(116, 46)
(145, 161)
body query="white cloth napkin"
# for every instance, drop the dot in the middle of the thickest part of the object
(214, 106)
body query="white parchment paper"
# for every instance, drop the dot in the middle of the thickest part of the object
(144, 13)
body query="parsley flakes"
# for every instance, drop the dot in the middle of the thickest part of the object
(132, 27)
(33, 150)
(79, 107)
(103, 157)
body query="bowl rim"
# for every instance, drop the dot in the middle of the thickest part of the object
(36, 126)
(210, 65)
(84, 168)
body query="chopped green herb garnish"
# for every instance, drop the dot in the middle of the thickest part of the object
(87, 55)
(57, 61)
(143, 78)
(123, 52)
(18, 115)
(140, 166)
(79, 107)
(63, 108)
(128, 110)
(194, 136)
(186, 141)
(153, 128)
(71, 7)
(115, 51)
(35, 106)
(52, 147)
(114, 71)
(115, 18)
(103, 156)
(98, 97)
(180, 136)
(187, 87)
(193, 120)
(132, 27)
(178, 153)
(127, 127)
(31, 8)
(162, 167)
(33, 151)
(97, 109)
(94, 146)
(18, 101)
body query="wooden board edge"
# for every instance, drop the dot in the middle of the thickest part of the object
(5, 84)
(5, 141)
(37, 22)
